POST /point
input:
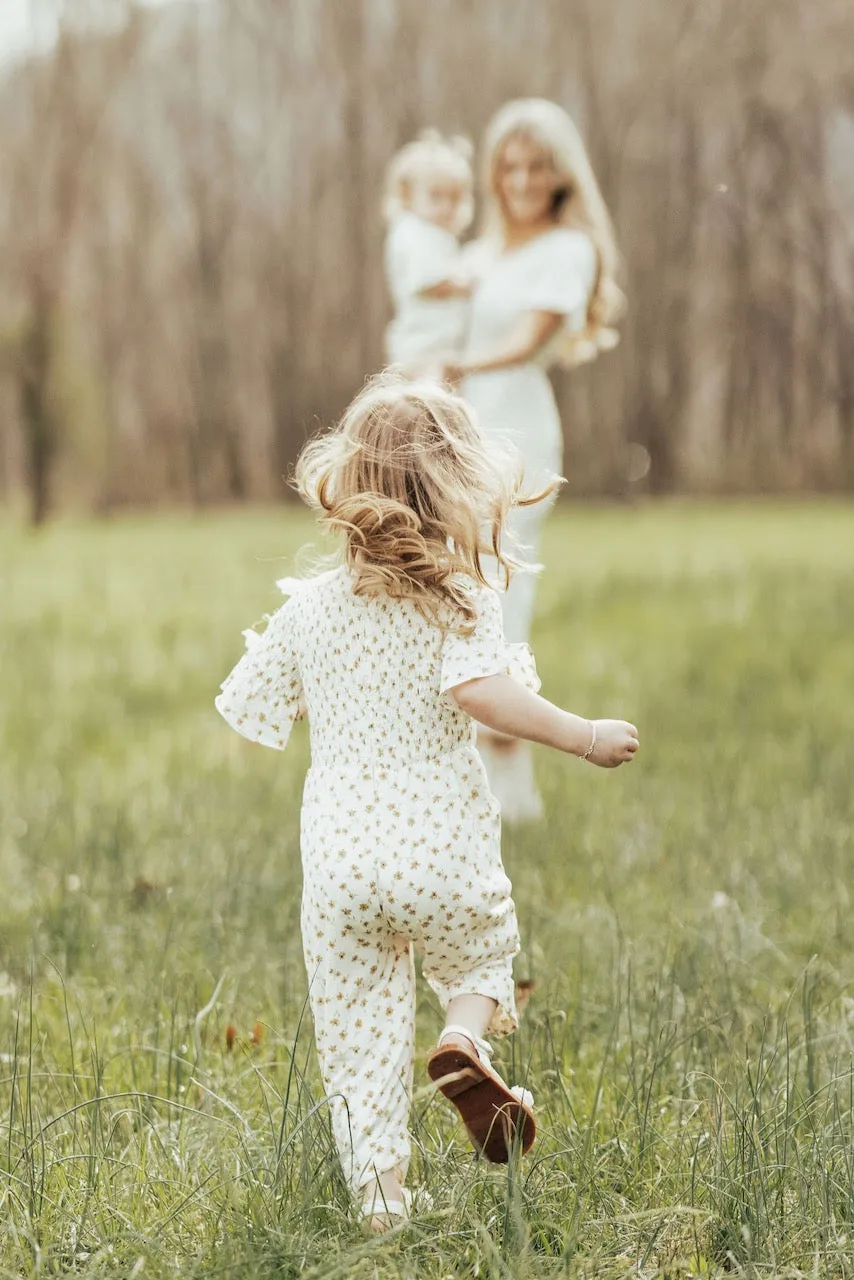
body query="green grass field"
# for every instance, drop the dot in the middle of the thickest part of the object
(687, 920)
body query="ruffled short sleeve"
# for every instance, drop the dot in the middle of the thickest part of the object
(557, 275)
(484, 652)
(262, 695)
(522, 666)
(418, 256)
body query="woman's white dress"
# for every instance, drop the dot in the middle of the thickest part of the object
(555, 272)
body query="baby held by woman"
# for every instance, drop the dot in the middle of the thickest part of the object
(428, 205)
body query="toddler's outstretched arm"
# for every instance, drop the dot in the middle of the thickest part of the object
(504, 705)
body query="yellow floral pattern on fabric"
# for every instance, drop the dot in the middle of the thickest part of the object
(400, 835)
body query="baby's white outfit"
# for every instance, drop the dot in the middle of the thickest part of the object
(400, 835)
(418, 255)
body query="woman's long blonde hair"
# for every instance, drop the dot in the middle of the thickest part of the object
(408, 478)
(578, 200)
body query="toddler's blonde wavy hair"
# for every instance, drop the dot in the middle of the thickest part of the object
(430, 154)
(408, 478)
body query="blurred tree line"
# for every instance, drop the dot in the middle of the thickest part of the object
(190, 240)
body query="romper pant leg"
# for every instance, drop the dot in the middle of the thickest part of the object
(450, 892)
(468, 947)
(362, 995)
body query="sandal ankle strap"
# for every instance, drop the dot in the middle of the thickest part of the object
(376, 1205)
(387, 1208)
(483, 1050)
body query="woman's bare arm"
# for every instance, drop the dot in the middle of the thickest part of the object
(534, 331)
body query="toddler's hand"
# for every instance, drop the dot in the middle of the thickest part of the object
(616, 743)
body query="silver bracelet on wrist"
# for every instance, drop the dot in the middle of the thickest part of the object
(589, 752)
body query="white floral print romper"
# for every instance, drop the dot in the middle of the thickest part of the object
(400, 834)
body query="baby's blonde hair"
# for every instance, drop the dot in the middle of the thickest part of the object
(408, 478)
(579, 204)
(429, 153)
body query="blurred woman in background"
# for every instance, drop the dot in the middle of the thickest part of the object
(546, 263)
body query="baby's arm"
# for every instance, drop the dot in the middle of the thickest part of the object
(458, 283)
(450, 288)
(504, 705)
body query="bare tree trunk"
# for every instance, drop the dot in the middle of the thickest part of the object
(248, 303)
(217, 429)
(37, 417)
(740, 399)
(843, 331)
(684, 192)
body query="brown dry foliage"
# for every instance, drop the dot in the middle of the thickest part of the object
(192, 243)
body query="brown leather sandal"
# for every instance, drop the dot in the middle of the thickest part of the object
(498, 1119)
